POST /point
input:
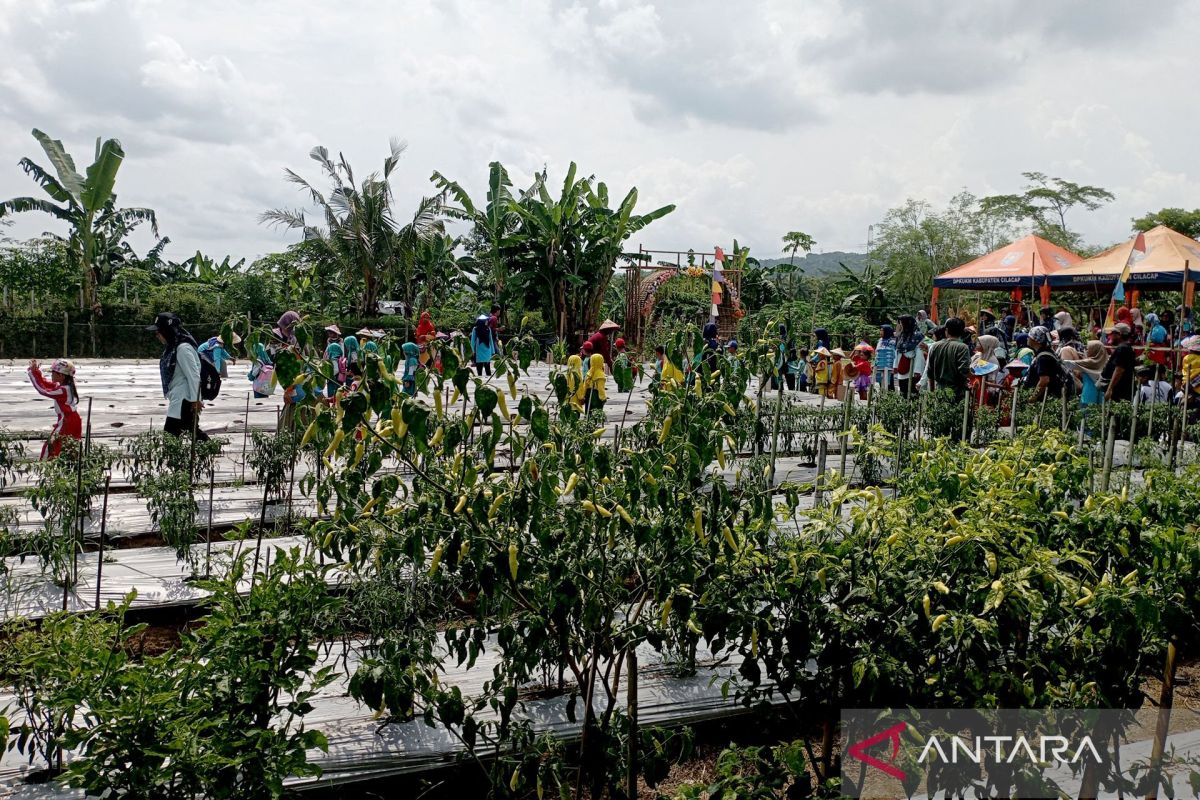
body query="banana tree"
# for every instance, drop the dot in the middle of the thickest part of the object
(572, 245)
(494, 225)
(86, 203)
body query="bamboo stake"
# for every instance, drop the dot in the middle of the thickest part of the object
(212, 480)
(1165, 700)
(631, 710)
(103, 528)
(1109, 444)
(819, 484)
(245, 435)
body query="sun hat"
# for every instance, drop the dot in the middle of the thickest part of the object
(608, 325)
(63, 367)
(236, 339)
(1016, 364)
(1120, 328)
(823, 351)
(334, 329)
(1191, 344)
(837, 351)
(981, 367)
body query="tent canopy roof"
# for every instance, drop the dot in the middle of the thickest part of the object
(1161, 264)
(1014, 266)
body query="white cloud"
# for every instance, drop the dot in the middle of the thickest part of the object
(754, 118)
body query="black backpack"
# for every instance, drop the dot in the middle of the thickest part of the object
(210, 379)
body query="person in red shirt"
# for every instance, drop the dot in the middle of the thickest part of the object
(61, 389)
(601, 340)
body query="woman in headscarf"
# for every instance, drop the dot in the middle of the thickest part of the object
(408, 380)
(986, 365)
(483, 345)
(1068, 343)
(353, 355)
(1089, 369)
(1045, 377)
(1191, 377)
(1158, 350)
(1063, 320)
(285, 328)
(885, 357)
(1024, 352)
(591, 394)
(179, 371)
(712, 350)
(426, 332)
(1124, 316)
(574, 374)
(909, 361)
(785, 360)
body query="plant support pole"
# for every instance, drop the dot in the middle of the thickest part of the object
(631, 699)
(1165, 700)
(103, 528)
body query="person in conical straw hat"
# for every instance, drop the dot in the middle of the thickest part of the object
(602, 340)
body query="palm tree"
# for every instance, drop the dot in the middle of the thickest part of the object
(793, 242)
(87, 204)
(360, 234)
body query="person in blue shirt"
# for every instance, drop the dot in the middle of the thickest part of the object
(214, 351)
(483, 345)
(885, 356)
(412, 356)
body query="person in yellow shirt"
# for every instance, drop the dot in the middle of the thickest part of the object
(1191, 376)
(821, 372)
(669, 375)
(836, 389)
(574, 374)
(591, 394)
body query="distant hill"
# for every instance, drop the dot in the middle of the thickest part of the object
(816, 264)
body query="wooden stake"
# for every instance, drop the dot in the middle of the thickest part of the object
(819, 484)
(1165, 700)
(103, 528)
(631, 710)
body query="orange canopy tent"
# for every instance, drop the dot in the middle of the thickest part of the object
(1024, 264)
(1168, 255)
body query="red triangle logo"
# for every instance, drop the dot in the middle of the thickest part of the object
(859, 750)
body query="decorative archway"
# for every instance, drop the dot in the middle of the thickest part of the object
(643, 281)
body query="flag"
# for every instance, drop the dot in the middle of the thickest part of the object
(718, 278)
(1118, 294)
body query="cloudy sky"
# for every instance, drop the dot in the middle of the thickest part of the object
(755, 117)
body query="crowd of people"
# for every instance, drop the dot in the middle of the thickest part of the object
(1150, 358)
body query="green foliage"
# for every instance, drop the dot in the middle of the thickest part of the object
(557, 255)
(1177, 219)
(166, 470)
(63, 492)
(359, 240)
(88, 205)
(223, 715)
(37, 265)
(57, 669)
(754, 773)
(1044, 202)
